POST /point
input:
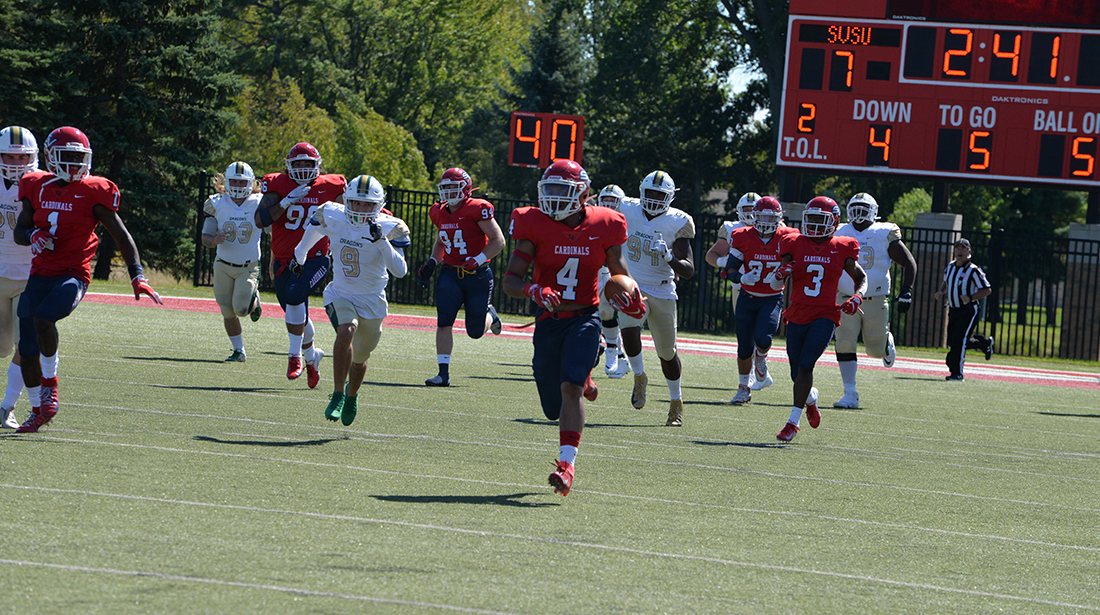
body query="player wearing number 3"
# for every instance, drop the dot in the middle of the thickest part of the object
(289, 200)
(61, 210)
(567, 243)
(468, 237)
(814, 261)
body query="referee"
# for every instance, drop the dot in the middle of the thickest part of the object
(964, 284)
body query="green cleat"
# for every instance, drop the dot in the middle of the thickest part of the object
(236, 357)
(258, 311)
(351, 406)
(335, 406)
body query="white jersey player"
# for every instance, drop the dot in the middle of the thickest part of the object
(745, 207)
(616, 365)
(18, 156)
(367, 247)
(230, 228)
(658, 251)
(879, 244)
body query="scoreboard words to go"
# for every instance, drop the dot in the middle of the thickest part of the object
(941, 89)
(538, 140)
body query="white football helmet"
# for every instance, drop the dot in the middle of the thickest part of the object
(611, 197)
(820, 217)
(661, 183)
(62, 142)
(239, 170)
(455, 186)
(862, 208)
(563, 189)
(18, 140)
(745, 207)
(364, 199)
(766, 215)
(303, 175)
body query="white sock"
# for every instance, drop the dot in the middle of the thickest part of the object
(637, 364)
(49, 366)
(674, 389)
(307, 335)
(35, 395)
(743, 379)
(611, 336)
(796, 413)
(15, 385)
(295, 344)
(568, 454)
(237, 341)
(848, 375)
(443, 359)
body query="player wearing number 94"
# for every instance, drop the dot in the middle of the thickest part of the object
(61, 210)
(567, 243)
(289, 200)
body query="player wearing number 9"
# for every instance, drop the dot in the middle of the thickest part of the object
(230, 228)
(567, 243)
(67, 203)
(813, 262)
(289, 200)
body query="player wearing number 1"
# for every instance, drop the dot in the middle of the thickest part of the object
(468, 238)
(61, 210)
(289, 201)
(567, 243)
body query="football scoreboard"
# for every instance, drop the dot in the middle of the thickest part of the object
(983, 90)
(538, 140)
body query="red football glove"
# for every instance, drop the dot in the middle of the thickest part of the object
(547, 298)
(631, 305)
(141, 285)
(41, 240)
(784, 271)
(851, 306)
(471, 264)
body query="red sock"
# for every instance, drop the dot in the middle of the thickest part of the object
(569, 438)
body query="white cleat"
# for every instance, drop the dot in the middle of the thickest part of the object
(623, 368)
(761, 381)
(891, 352)
(612, 364)
(849, 401)
(9, 420)
(744, 396)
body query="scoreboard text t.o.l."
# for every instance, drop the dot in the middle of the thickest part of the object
(935, 89)
(538, 140)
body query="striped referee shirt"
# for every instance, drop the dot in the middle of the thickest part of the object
(963, 280)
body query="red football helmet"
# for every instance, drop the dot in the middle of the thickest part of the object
(820, 217)
(303, 174)
(766, 215)
(563, 189)
(455, 186)
(67, 140)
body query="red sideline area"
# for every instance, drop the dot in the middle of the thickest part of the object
(976, 368)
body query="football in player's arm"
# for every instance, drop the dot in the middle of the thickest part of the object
(566, 243)
(368, 245)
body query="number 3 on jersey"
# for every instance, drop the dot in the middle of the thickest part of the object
(457, 242)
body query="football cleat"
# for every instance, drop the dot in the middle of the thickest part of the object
(637, 397)
(496, 326)
(33, 422)
(850, 400)
(313, 376)
(438, 381)
(350, 409)
(744, 396)
(591, 391)
(956, 377)
(237, 357)
(257, 311)
(9, 420)
(611, 366)
(761, 379)
(624, 367)
(294, 367)
(812, 413)
(675, 413)
(48, 406)
(788, 432)
(891, 352)
(562, 478)
(989, 349)
(335, 406)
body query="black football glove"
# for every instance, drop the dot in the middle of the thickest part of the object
(295, 268)
(424, 274)
(905, 300)
(732, 271)
(375, 232)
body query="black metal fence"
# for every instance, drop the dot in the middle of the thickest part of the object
(1045, 300)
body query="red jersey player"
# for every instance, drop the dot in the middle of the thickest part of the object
(288, 203)
(814, 260)
(468, 237)
(567, 243)
(61, 209)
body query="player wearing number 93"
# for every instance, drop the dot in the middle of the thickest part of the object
(814, 261)
(567, 243)
(61, 210)
(289, 200)
(368, 245)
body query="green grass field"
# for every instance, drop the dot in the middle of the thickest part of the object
(171, 482)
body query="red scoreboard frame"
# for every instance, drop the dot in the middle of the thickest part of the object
(537, 140)
(935, 89)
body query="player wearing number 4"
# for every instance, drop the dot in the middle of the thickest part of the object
(468, 238)
(567, 243)
(289, 201)
(655, 263)
(367, 246)
(61, 210)
(814, 260)
(752, 254)
(879, 244)
(230, 228)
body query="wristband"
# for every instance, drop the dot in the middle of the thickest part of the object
(286, 202)
(481, 259)
(28, 234)
(136, 270)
